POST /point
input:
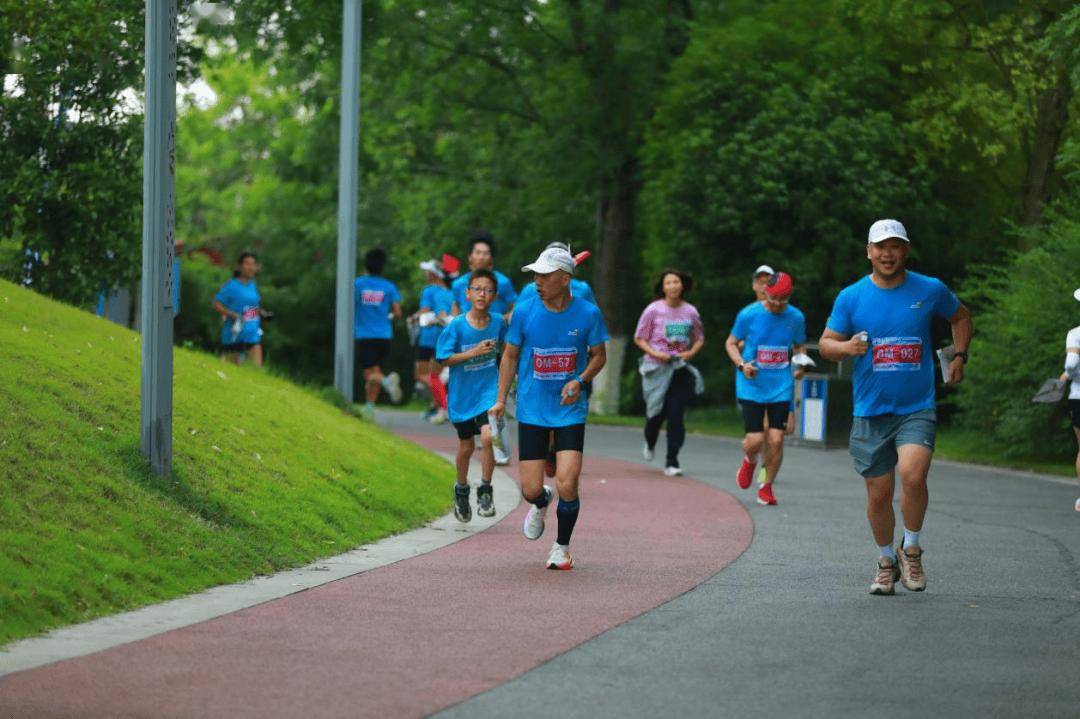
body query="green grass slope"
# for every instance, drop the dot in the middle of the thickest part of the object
(266, 475)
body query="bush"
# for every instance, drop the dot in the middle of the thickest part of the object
(1022, 311)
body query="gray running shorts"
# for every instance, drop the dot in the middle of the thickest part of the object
(875, 440)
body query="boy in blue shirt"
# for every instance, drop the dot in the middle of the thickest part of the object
(554, 347)
(469, 346)
(883, 322)
(377, 299)
(770, 333)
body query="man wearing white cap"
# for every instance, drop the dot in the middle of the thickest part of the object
(883, 322)
(762, 275)
(1072, 372)
(554, 347)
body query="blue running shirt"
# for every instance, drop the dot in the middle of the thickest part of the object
(578, 288)
(769, 340)
(896, 376)
(554, 348)
(474, 385)
(374, 297)
(244, 298)
(438, 299)
(505, 297)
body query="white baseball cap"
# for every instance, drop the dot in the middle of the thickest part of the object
(886, 229)
(1076, 294)
(551, 260)
(432, 266)
(764, 270)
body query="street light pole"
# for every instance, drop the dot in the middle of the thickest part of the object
(156, 296)
(348, 182)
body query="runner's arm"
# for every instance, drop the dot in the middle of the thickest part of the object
(395, 310)
(218, 307)
(694, 349)
(961, 334)
(834, 346)
(799, 371)
(597, 360)
(507, 370)
(645, 347)
(734, 352)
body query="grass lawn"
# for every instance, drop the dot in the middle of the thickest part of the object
(952, 443)
(267, 476)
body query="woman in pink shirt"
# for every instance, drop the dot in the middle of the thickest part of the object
(670, 330)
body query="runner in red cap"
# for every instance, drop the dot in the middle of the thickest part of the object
(771, 333)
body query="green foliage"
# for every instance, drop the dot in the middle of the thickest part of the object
(267, 475)
(71, 143)
(1023, 310)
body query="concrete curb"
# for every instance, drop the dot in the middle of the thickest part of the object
(107, 632)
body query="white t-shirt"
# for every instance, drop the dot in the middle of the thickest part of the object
(1073, 340)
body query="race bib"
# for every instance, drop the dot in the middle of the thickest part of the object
(478, 363)
(251, 313)
(897, 354)
(371, 297)
(557, 363)
(772, 357)
(677, 332)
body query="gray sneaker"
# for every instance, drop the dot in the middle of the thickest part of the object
(462, 510)
(485, 500)
(885, 578)
(912, 575)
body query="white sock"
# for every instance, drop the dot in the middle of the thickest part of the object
(911, 539)
(888, 551)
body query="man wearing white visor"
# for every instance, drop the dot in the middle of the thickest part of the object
(883, 323)
(554, 346)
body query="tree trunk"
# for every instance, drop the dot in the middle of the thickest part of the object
(1052, 114)
(613, 253)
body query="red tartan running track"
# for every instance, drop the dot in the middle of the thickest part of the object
(417, 636)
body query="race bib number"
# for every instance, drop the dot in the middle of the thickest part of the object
(677, 333)
(772, 357)
(251, 313)
(557, 363)
(371, 297)
(897, 354)
(478, 363)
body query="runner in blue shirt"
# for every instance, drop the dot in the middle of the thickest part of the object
(377, 299)
(765, 337)
(469, 347)
(482, 256)
(883, 323)
(434, 314)
(553, 348)
(238, 303)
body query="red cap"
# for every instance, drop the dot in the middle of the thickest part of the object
(780, 285)
(451, 265)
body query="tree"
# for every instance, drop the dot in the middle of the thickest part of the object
(71, 143)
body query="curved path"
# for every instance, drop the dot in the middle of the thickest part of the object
(411, 638)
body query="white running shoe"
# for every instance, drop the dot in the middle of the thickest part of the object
(647, 452)
(672, 472)
(559, 557)
(392, 384)
(439, 417)
(534, 520)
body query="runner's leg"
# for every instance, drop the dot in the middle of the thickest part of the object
(256, 352)
(567, 475)
(879, 509)
(373, 378)
(678, 398)
(487, 454)
(913, 467)
(774, 453)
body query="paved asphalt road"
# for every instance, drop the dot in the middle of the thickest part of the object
(789, 630)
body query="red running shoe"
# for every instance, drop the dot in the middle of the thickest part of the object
(765, 495)
(746, 473)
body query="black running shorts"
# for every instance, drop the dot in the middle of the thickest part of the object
(372, 353)
(534, 441)
(471, 427)
(1074, 410)
(753, 415)
(423, 354)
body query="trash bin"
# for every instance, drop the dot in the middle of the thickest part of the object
(823, 407)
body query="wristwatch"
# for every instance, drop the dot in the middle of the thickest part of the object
(963, 356)
(741, 365)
